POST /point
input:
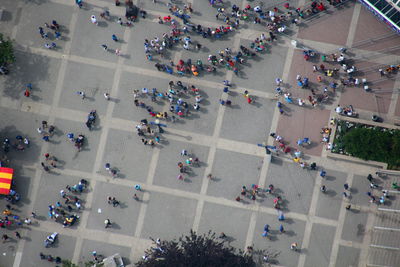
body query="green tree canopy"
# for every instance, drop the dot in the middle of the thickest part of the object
(196, 251)
(6, 51)
(374, 144)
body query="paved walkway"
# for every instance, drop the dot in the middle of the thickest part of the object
(225, 140)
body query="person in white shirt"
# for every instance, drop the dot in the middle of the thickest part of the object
(94, 20)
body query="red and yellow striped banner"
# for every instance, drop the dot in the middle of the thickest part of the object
(6, 175)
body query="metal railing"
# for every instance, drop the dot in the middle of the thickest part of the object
(377, 53)
(373, 40)
(327, 11)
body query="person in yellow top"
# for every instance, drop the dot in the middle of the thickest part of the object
(296, 160)
(7, 212)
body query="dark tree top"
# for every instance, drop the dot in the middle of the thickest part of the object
(196, 251)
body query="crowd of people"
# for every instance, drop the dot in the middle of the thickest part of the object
(182, 100)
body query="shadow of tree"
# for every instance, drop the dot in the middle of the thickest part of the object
(36, 2)
(30, 153)
(28, 68)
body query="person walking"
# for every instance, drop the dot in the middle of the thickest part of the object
(79, 3)
(138, 187)
(346, 186)
(107, 166)
(57, 34)
(82, 94)
(5, 238)
(94, 20)
(107, 223)
(17, 235)
(45, 168)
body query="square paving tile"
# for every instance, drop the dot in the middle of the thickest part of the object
(40, 71)
(279, 243)
(136, 45)
(63, 247)
(234, 222)
(94, 81)
(123, 217)
(347, 257)
(354, 226)
(209, 47)
(293, 183)
(304, 68)
(229, 181)
(369, 27)
(319, 250)
(50, 187)
(328, 204)
(397, 110)
(126, 109)
(359, 189)
(305, 121)
(8, 18)
(268, 65)
(34, 16)
(104, 249)
(338, 22)
(8, 253)
(255, 118)
(23, 185)
(167, 169)
(162, 213)
(200, 121)
(159, 6)
(20, 123)
(73, 159)
(95, 36)
(207, 12)
(378, 102)
(119, 153)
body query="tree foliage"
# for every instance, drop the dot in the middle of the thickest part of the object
(196, 251)
(374, 144)
(6, 51)
(68, 263)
